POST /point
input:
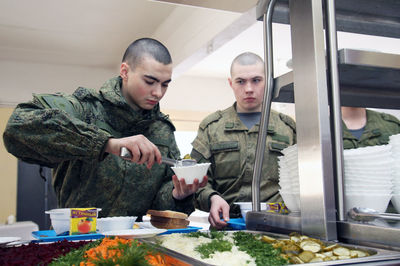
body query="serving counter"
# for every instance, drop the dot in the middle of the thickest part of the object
(322, 80)
(376, 256)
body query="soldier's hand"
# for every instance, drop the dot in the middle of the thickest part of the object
(142, 149)
(219, 208)
(182, 190)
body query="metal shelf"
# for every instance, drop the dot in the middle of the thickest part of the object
(367, 79)
(372, 17)
(348, 77)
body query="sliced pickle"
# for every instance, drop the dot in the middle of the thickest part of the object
(306, 256)
(268, 239)
(341, 251)
(310, 245)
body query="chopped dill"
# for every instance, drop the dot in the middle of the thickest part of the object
(264, 253)
(213, 234)
(215, 245)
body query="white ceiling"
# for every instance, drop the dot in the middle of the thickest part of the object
(87, 33)
(93, 34)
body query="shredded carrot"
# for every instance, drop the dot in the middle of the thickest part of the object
(104, 250)
(107, 250)
(164, 260)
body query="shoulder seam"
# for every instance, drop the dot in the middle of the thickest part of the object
(210, 118)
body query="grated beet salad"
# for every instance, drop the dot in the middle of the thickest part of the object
(37, 254)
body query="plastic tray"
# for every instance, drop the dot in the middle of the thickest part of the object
(188, 229)
(237, 224)
(51, 236)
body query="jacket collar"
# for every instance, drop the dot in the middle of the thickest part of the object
(123, 115)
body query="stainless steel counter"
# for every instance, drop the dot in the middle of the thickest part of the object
(378, 256)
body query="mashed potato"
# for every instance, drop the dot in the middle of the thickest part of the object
(187, 245)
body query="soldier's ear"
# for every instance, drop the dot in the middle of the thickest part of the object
(123, 71)
(230, 82)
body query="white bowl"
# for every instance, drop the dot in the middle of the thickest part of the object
(367, 181)
(368, 173)
(115, 223)
(247, 206)
(371, 164)
(368, 191)
(368, 200)
(366, 186)
(190, 173)
(367, 150)
(60, 219)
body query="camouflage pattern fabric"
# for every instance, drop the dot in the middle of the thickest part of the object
(230, 146)
(377, 131)
(69, 133)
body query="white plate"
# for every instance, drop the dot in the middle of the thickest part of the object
(135, 233)
(8, 239)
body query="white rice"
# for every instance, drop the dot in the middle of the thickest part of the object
(186, 246)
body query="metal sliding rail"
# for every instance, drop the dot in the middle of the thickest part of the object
(332, 56)
(266, 106)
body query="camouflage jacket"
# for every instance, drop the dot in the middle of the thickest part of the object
(69, 133)
(230, 146)
(377, 131)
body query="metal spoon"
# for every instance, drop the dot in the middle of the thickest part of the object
(367, 214)
(126, 154)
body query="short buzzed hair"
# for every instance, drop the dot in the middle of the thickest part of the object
(247, 58)
(146, 47)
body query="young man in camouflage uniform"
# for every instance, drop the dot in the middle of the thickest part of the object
(363, 127)
(228, 140)
(80, 137)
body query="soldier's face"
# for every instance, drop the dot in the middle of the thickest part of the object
(147, 83)
(247, 82)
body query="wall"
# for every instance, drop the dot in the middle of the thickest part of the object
(20, 79)
(8, 180)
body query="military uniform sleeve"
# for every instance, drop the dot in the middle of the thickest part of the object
(164, 199)
(41, 134)
(201, 153)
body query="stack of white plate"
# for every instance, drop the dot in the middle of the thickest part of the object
(289, 178)
(395, 143)
(368, 177)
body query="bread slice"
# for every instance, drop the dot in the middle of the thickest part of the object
(168, 214)
(170, 224)
(168, 219)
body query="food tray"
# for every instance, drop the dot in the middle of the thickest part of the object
(237, 224)
(51, 236)
(378, 256)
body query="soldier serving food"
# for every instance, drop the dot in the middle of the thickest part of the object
(80, 137)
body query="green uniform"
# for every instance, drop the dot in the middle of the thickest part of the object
(377, 130)
(69, 133)
(230, 146)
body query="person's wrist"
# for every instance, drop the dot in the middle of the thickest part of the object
(108, 148)
(212, 196)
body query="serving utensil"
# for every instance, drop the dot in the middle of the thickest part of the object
(366, 215)
(126, 154)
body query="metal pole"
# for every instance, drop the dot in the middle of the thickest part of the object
(266, 106)
(331, 41)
